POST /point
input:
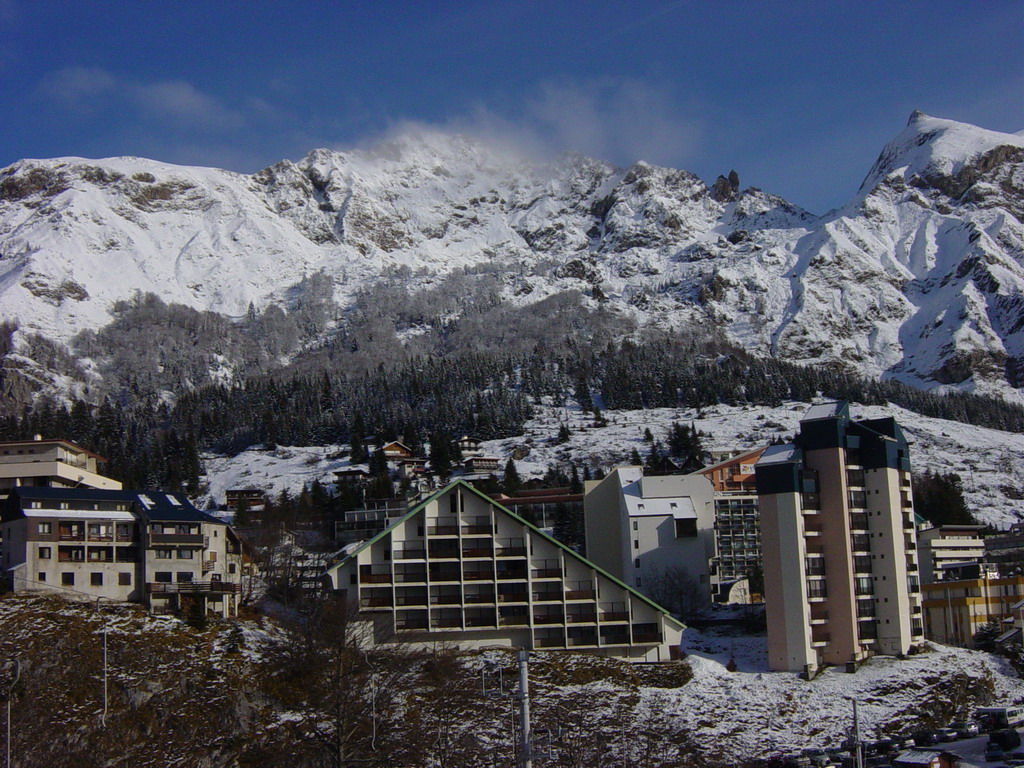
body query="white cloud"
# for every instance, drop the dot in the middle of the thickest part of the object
(618, 120)
(87, 88)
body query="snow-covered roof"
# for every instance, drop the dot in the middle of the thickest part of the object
(654, 496)
(779, 454)
(84, 514)
(824, 411)
(917, 757)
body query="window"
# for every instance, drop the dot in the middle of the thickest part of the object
(636, 563)
(45, 527)
(636, 544)
(45, 553)
(636, 526)
(67, 579)
(124, 579)
(184, 577)
(686, 528)
(96, 579)
(163, 577)
(41, 576)
(185, 554)
(231, 567)
(164, 554)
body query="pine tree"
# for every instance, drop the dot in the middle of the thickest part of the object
(510, 483)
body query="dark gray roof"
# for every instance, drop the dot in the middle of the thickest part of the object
(154, 505)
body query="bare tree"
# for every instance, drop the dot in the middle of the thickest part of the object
(677, 590)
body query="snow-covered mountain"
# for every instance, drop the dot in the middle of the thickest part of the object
(920, 277)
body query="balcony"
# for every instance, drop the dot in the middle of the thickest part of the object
(581, 618)
(410, 554)
(443, 530)
(192, 587)
(409, 577)
(513, 597)
(547, 573)
(517, 575)
(483, 597)
(478, 575)
(549, 618)
(411, 624)
(375, 602)
(446, 624)
(580, 594)
(478, 529)
(379, 578)
(449, 599)
(478, 552)
(614, 616)
(513, 621)
(193, 539)
(547, 596)
(510, 552)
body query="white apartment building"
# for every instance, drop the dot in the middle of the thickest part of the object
(460, 568)
(944, 546)
(127, 546)
(50, 463)
(838, 537)
(639, 527)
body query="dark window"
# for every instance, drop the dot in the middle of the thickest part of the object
(815, 566)
(686, 528)
(41, 576)
(164, 577)
(636, 563)
(124, 579)
(858, 499)
(96, 579)
(231, 567)
(184, 577)
(67, 579)
(636, 544)
(44, 553)
(817, 588)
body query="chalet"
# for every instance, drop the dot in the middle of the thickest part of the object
(252, 499)
(396, 450)
(410, 468)
(470, 446)
(482, 464)
(926, 758)
(462, 569)
(354, 476)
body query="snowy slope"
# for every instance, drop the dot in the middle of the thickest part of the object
(919, 277)
(990, 462)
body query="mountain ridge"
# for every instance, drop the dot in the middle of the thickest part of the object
(919, 278)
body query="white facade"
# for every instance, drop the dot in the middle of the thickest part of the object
(53, 463)
(638, 528)
(946, 545)
(462, 569)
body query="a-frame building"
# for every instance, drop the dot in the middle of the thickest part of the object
(462, 569)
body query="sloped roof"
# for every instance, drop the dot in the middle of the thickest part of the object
(534, 529)
(155, 505)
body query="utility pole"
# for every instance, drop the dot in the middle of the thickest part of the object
(525, 747)
(13, 670)
(858, 753)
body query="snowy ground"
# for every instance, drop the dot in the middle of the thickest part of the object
(990, 462)
(756, 712)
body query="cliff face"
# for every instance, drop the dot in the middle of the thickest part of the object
(920, 277)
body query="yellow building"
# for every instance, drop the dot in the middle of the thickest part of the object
(955, 610)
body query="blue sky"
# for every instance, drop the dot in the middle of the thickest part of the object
(798, 97)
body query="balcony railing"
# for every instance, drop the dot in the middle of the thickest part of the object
(513, 597)
(513, 621)
(443, 530)
(608, 616)
(478, 552)
(478, 575)
(510, 552)
(196, 539)
(192, 587)
(410, 554)
(581, 618)
(547, 573)
(549, 618)
(580, 594)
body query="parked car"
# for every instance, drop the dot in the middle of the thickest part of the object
(926, 738)
(946, 734)
(885, 746)
(965, 729)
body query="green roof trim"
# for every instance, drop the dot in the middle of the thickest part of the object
(414, 510)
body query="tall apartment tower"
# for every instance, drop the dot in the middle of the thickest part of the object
(838, 538)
